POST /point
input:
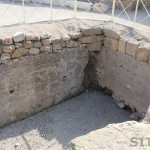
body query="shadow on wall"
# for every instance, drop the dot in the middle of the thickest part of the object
(64, 122)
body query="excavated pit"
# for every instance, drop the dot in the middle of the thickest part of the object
(44, 64)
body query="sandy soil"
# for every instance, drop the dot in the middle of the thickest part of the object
(53, 128)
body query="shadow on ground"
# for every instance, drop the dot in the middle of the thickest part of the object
(56, 126)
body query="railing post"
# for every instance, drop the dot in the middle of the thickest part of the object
(113, 10)
(75, 8)
(137, 6)
(23, 11)
(51, 8)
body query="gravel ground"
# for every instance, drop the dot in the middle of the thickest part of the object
(53, 128)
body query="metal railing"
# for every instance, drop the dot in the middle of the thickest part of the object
(13, 12)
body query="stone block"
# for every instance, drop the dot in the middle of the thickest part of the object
(37, 44)
(90, 30)
(34, 51)
(5, 56)
(55, 40)
(28, 37)
(111, 43)
(46, 49)
(95, 47)
(131, 47)
(88, 39)
(18, 37)
(7, 41)
(56, 47)
(143, 53)
(72, 44)
(100, 38)
(75, 35)
(8, 49)
(18, 45)
(45, 35)
(46, 42)
(122, 45)
(36, 37)
(27, 44)
(19, 52)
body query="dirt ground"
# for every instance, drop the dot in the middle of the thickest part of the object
(53, 128)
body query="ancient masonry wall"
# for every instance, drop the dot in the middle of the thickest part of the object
(38, 71)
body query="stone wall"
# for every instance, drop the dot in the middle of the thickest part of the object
(39, 70)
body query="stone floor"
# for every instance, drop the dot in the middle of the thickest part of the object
(53, 128)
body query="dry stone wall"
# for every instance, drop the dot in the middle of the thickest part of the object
(39, 70)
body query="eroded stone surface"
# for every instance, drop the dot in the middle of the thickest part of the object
(114, 136)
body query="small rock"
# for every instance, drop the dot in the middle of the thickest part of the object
(34, 51)
(7, 41)
(8, 49)
(28, 37)
(18, 45)
(37, 44)
(45, 35)
(72, 44)
(55, 40)
(100, 8)
(18, 37)
(27, 44)
(56, 47)
(36, 37)
(19, 52)
(65, 37)
(75, 35)
(46, 42)
(46, 48)
(5, 56)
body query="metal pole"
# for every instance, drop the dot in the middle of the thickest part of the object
(137, 6)
(75, 8)
(113, 10)
(51, 8)
(23, 11)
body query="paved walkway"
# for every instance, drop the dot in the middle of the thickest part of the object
(53, 128)
(14, 14)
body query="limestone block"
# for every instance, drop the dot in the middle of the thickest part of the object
(19, 52)
(28, 37)
(8, 49)
(90, 30)
(143, 53)
(114, 31)
(36, 37)
(100, 38)
(55, 40)
(88, 39)
(18, 37)
(72, 44)
(27, 44)
(131, 47)
(7, 41)
(95, 47)
(34, 51)
(46, 42)
(46, 49)
(65, 37)
(37, 44)
(122, 45)
(5, 56)
(56, 47)
(111, 43)
(75, 35)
